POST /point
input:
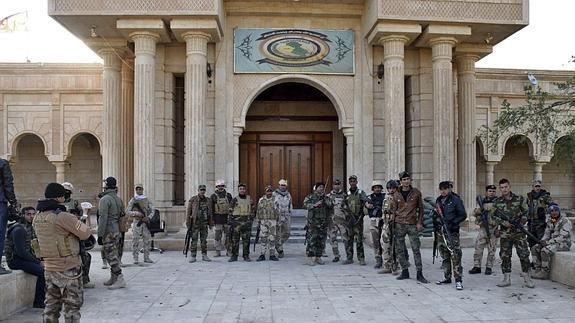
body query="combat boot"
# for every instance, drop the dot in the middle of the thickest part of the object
(247, 259)
(119, 283)
(148, 260)
(274, 258)
(445, 281)
(347, 262)
(104, 264)
(475, 270)
(420, 278)
(233, 258)
(192, 259)
(335, 259)
(488, 271)
(506, 280)
(136, 261)
(528, 282)
(404, 275)
(280, 253)
(111, 281)
(378, 263)
(310, 261)
(362, 262)
(89, 285)
(205, 257)
(385, 270)
(218, 253)
(541, 274)
(261, 258)
(319, 261)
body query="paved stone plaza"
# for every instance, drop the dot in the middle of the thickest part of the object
(173, 290)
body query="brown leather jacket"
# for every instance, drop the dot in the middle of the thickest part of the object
(194, 208)
(410, 211)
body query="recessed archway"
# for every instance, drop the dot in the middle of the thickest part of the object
(84, 168)
(516, 164)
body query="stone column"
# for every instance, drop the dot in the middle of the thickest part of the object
(538, 170)
(394, 102)
(489, 172)
(348, 133)
(127, 181)
(195, 104)
(443, 122)
(466, 145)
(237, 133)
(112, 115)
(144, 80)
(60, 171)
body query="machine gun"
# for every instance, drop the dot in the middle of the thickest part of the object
(187, 241)
(518, 226)
(442, 230)
(484, 217)
(141, 221)
(393, 242)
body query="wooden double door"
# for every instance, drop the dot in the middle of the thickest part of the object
(301, 159)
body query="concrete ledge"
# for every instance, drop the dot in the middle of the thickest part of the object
(563, 267)
(16, 292)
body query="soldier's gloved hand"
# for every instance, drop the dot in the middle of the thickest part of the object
(100, 242)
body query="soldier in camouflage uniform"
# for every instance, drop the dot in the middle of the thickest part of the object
(449, 212)
(374, 210)
(538, 200)
(198, 220)
(141, 209)
(514, 207)
(353, 207)
(267, 216)
(220, 205)
(482, 241)
(318, 207)
(58, 245)
(337, 219)
(284, 201)
(390, 264)
(557, 237)
(111, 207)
(242, 212)
(73, 206)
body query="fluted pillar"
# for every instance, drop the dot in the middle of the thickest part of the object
(126, 183)
(443, 121)
(112, 114)
(195, 104)
(237, 133)
(394, 102)
(466, 130)
(538, 170)
(348, 133)
(60, 171)
(489, 172)
(144, 79)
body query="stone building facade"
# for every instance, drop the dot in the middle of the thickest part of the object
(168, 110)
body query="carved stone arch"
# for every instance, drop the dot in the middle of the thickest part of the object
(72, 138)
(13, 144)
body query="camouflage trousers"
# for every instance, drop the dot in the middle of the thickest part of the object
(542, 256)
(110, 250)
(386, 243)
(222, 232)
(199, 229)
(283, 230)
(355, 234)
(334, 227)
(519, 240)
(241, 231)
(401, 230)
(141, 239)
(120, 248)
(315, 240)
(451, 259)
(482, 242)
(375, 231)
(269, 239)
(63, 289)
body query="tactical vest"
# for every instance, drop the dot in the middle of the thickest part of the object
(284, 202)
(52, 243)
(354, 202)
(243, 207)
(144, 205)
(267, 209)
(9, 250)
(337, 200)
(222, 204)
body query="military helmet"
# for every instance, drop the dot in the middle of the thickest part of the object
(376, 183)
(269, 188)
(68, 186)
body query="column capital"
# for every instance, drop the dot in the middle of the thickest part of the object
(393, 29)
(237, 131)
(144, 41)
(473, 50)
(393, 38)
(182, 26)
(196, 42)
(347, 132)
(111, 58)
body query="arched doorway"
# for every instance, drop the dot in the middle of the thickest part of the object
(31, 169)
(516, 165)
(84, 169)
(559, 174)
(291, 131)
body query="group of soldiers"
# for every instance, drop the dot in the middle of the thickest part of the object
(232, 219)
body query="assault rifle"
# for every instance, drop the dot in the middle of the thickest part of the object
(393, 242)
(441, 226)
(517, 225)
(187, 241)
(141, 221)
(257, 238)
(484, 217)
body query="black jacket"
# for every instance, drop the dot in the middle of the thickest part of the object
(453, 211)
(6, 183)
